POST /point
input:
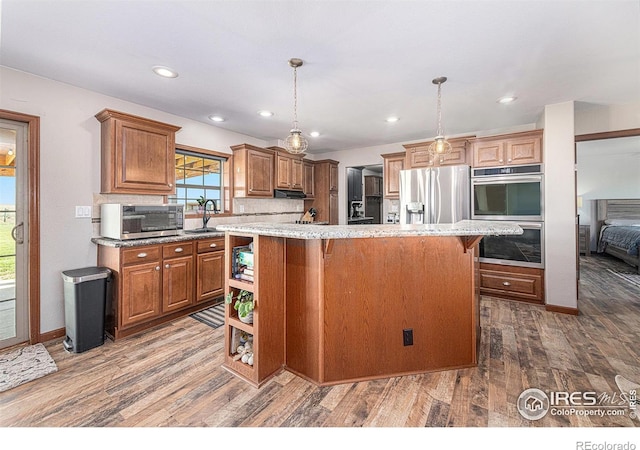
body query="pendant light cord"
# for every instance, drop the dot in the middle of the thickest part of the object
(295, 98)
(439, 132)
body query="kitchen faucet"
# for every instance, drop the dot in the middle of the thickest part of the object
(205, 215)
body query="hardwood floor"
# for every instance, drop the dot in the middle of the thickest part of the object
(171, 376)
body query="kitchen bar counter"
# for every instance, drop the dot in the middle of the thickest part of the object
(337, 304)
(295, 231)
(183, 236)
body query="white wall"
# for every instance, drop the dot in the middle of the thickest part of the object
(605, 175)
(560, 217)
(70, 169)
(592, 118)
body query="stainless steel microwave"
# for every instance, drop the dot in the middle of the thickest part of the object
(517, 194)
(122, 221)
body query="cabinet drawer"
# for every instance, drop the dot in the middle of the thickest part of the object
(508, 282)
(210, 245)
(140, 254)
(177, 249)
(511, 283)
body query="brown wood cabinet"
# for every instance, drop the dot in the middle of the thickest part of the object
(209, 269)
(267, 329)
(253, 171)
(393, 164)
(372, 186)
(289, 170)
(308, 178)
(326, 191)
(512, 282)
(511, 149)
(418, 156)
(157, 283)
(137, 154)
(177, 276)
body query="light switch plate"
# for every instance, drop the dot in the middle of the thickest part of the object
(83, 211)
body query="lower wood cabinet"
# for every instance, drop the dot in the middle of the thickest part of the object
(512, 282)
(153, 284)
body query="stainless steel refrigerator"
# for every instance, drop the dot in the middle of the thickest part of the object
(435, 195)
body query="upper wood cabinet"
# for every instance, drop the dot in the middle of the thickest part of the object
(289, 170)
(308, 178)
(418, 154)
(372, 186)
(253, 171)
(326, 191)
(393, 164)
(138, 154)
(511, 149)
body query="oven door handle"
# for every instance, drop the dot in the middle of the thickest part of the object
(508, 179)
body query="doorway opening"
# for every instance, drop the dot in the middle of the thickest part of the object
(19, 229)
(364, 194)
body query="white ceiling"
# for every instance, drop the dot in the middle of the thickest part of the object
(363, 60)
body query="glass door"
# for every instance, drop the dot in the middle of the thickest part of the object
(14, 322)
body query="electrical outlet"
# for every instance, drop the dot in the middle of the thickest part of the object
(241, 207)
(407, 337)
(299, 208)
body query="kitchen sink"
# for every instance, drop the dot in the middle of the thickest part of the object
(200, 230)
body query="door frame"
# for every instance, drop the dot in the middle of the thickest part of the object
(33, 214)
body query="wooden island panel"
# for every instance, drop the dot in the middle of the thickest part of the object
(349, 300)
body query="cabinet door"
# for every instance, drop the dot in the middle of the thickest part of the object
(419, 157)
(525, 150)
(458, 154)
(392, 168)
(297, 174)
(283, 172)
(141, 292)
(333, 208)
(259, 174)
(137, 154)
(488, 154)
(309, 179)
(210, 276)
(333, 177)
(177, 283)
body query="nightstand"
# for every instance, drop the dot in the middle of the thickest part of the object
(584, 239)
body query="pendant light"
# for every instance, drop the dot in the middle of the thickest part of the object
(439, 147)
(295, 142)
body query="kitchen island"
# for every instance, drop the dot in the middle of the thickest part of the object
(337, 304)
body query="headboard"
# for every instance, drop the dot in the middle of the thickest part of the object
(627, 208)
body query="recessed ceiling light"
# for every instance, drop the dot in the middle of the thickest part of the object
(392, 119)
(216, 118)
(507, 99)
(314, 134)
(264, 113)
(165, 72)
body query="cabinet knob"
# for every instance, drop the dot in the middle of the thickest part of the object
(170, 184)
(142, 255)
(157, 267)
(501, 160)
(166, 266)
(178, 250)
(214, 245)
(506, 283)
(509, 160)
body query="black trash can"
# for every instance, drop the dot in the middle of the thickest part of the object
(85, 297)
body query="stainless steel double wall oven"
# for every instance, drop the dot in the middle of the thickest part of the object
(515, 194)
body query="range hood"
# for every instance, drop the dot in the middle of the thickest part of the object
(283, 193)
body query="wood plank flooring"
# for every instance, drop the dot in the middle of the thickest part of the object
(171, 376)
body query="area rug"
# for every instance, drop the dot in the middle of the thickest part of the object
(24, 365)
(214, 316)
(630, 277)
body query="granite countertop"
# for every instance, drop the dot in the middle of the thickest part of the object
(156, 240)
(462, 228)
